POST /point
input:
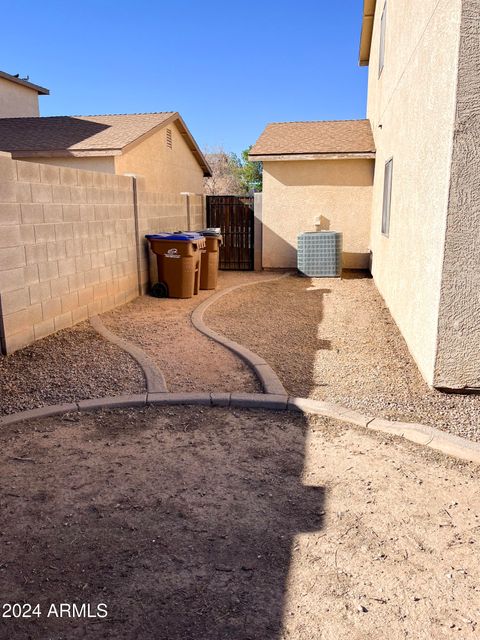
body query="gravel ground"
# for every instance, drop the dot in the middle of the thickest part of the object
(189, 360)
(334, 339)
(212, 524)
(73, 364)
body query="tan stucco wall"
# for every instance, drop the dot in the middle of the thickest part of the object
(414, 101)
(296, 192)
(165, 170)
(458, 352)
(17, 101)
(104, 164)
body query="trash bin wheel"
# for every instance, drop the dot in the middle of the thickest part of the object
(159, 290)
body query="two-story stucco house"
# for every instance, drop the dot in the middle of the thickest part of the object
(424, 108)
(19, 96)
(424, 213)
(157, 146)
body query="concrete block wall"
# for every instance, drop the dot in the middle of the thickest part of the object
(198, 211)
(163, 212)
(69, 245)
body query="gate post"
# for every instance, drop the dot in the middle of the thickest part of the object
(187, 209)
(138, 239)
(257, 232)
(204, 211)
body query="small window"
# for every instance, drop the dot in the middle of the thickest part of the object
(169, 138)
(383, 26)
(387, 197)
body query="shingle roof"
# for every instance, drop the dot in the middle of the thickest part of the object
(322, 137)
(87, 133)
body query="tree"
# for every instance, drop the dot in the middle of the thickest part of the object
(250, 172)
(226, 179)
(231, 174)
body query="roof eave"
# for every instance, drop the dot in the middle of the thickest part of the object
(335, 155)
(194, 148)
(367, 31)
(40, 90)
(63, 153)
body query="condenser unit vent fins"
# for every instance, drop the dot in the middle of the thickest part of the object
(319, 254)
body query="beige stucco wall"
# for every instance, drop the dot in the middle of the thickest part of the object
(414, 102)
(17, 101)
(458, 352)
(165, 170)
(104, 164)
(296, 192)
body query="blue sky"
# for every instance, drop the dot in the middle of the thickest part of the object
(227, 67)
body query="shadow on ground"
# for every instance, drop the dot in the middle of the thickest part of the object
(280, 322)
(181, 520)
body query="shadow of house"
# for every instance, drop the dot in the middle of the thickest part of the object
(19, 135)
(294, 338)
(184, 524)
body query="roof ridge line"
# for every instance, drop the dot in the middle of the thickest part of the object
(315, 121)
(93, 115)
(97, 115)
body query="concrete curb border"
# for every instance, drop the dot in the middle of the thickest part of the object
(269, 380)
(154, 378)
(430, 437)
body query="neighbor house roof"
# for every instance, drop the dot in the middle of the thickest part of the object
(310, 140)
(367, 30)
(40, 90)
(102, 135)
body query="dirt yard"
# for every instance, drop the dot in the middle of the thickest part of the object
(214, 524)
(73, 364)
(188, 359)
(335, 340)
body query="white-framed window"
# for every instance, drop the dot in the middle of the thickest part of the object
(387, 197)
(383, 27)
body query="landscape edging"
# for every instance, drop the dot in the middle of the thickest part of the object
(154, 378)
(454, 446)
(270, 382)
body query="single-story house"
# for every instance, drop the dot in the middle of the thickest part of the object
(157, 146)
(316, 176)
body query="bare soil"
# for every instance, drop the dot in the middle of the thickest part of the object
(334, 339)
(214, 524)
(189, 360)
(71, 365)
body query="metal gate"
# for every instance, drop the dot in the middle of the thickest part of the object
(234, 215)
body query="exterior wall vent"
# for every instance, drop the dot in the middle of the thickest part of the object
(319, 254)
(169, 138)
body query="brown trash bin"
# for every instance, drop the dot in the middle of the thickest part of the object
(179, 264)
(210, 259)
